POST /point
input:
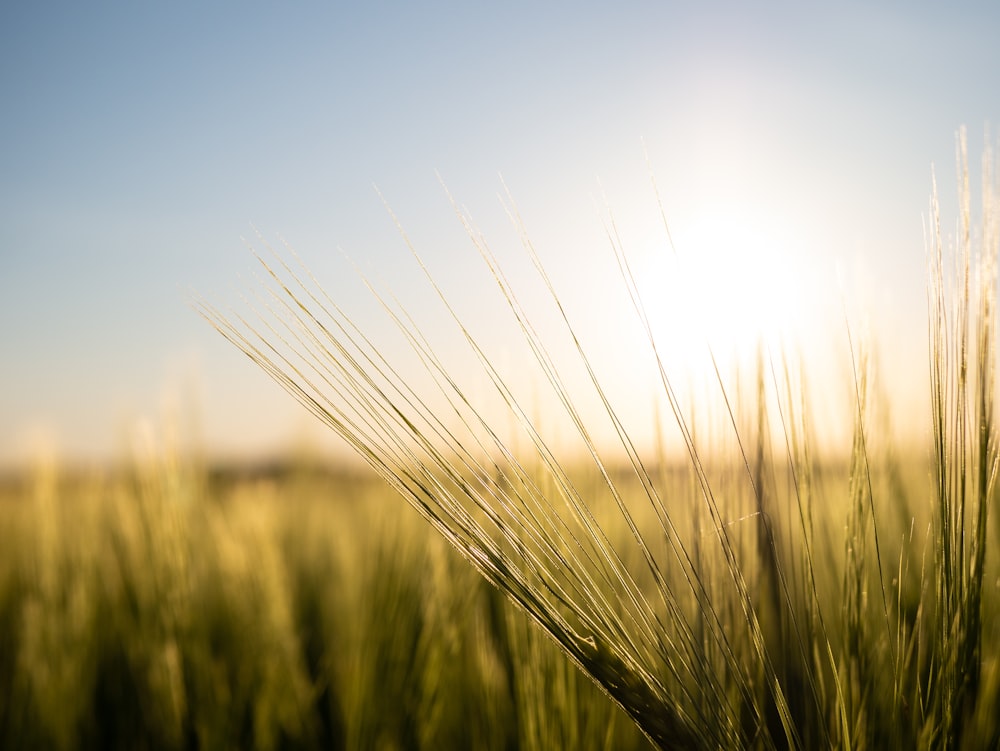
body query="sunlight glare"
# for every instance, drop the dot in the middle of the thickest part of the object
(734, 283)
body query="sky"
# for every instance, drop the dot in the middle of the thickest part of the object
(143, 145)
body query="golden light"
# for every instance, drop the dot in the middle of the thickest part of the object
(734, 283)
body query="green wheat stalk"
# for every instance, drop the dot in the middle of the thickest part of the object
(698, 652)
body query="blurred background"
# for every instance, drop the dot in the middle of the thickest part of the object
(792, 149)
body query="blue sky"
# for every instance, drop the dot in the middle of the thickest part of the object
(139, 143)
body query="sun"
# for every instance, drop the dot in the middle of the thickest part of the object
(731, 283)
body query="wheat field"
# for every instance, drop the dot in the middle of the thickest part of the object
(749, 591)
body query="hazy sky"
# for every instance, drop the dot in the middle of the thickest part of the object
(140, 141)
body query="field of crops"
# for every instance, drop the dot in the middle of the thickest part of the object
(165, 607)
(740, 588)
